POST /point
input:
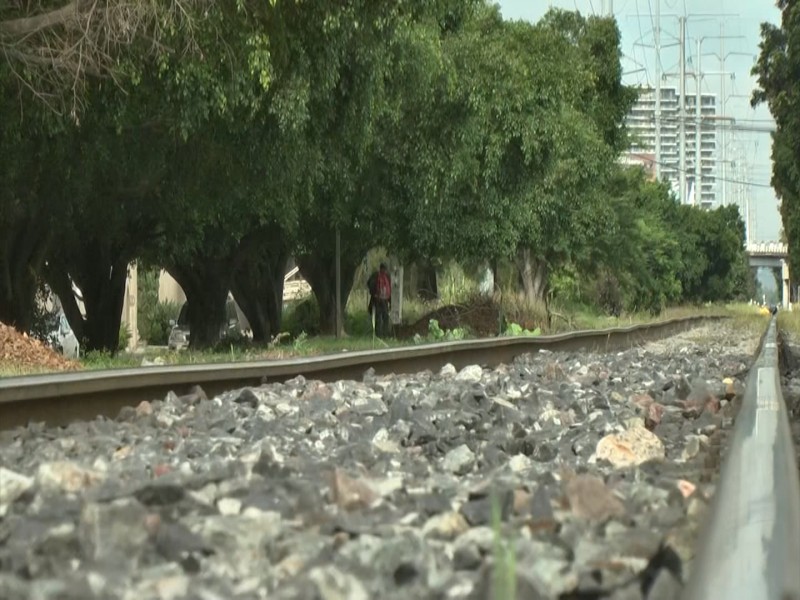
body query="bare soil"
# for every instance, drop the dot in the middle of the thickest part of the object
(480, 317)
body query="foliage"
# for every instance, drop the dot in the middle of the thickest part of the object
(437, 334)
(778, 87)
(303, 318)
(124, 337)
(153, 316)
(436, 130)
(154, 323)
(514, 329)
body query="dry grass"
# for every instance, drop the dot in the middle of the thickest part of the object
(789, 322)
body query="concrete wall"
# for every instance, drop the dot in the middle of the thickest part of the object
(169, 290)
(130, 306)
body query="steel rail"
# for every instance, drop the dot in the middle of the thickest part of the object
(750, 547)
(59, 398)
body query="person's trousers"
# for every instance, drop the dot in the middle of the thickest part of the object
(382, 326)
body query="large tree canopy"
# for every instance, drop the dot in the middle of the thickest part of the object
(218, 139)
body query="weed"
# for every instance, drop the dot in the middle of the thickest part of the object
(437, 334)
(300, 343)
(504, 575)
(515, 330)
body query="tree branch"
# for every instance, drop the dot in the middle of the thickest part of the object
(28, 25)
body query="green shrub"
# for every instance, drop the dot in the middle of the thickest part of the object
(514, 329)
(154, 323)
(304, 317)
(154, 316)
(124, 337)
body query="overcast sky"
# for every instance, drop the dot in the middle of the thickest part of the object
(739, 22)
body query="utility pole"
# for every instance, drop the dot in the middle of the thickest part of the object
(338, 305)
(658, 89)
(682, 112)
(698, 136)
(723, 133)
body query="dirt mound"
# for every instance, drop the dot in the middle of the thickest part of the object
(481, 318)
(19, 351)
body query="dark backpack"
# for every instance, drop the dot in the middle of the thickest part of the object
(384, 286)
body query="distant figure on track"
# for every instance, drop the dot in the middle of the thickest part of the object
(380, 299)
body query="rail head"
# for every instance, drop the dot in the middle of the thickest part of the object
(750, 545)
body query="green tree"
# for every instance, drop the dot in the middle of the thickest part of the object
(778, 87)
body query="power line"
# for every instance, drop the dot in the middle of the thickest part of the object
(715, 179)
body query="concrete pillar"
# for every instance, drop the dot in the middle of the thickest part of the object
(486, 283)
(130, 306)
(785, 280)
(396, 312)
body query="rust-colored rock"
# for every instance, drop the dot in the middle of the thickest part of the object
(642, 400)
(629, 448)
(350, 493)
(590, 499)
(654, 414)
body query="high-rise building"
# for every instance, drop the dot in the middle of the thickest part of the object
(641, 122)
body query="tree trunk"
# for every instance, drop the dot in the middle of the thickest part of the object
(103, 303)
(22, 255)
(410, 288)
(206, 283)
(319, 269)
(258, 288)
(493, 265)
(100, 273)
(59, 282)
(534, 276)
(428, 284)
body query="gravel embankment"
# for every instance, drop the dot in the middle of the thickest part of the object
(597, 467)
(790, 383)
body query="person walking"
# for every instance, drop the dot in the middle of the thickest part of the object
(380, 299)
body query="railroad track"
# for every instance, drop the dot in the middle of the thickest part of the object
(57, 399)
(392, 475)
(751, 544)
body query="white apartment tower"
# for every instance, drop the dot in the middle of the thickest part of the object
(641, 122)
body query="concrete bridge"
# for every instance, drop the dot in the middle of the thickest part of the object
(772, 255)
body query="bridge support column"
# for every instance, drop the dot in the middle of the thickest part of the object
(785, 280)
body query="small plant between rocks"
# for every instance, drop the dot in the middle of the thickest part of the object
(504, 572)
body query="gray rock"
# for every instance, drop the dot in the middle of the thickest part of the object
(470, 373)
(114, 532)
(232, 496)
(459, 460)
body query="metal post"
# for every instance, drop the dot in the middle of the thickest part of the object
(698, 135)
(658, 89)
(338, 284)
(746, 198)
(723, 136)
(682, 111)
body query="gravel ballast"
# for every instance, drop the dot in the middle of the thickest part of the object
(562, 475)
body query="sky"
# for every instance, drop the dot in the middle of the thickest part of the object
(738, 21)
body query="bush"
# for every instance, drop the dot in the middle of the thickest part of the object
(609, 295)
(44, 322)
(303, 318)
(154, 323)
(124, 337)
(154, 316)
